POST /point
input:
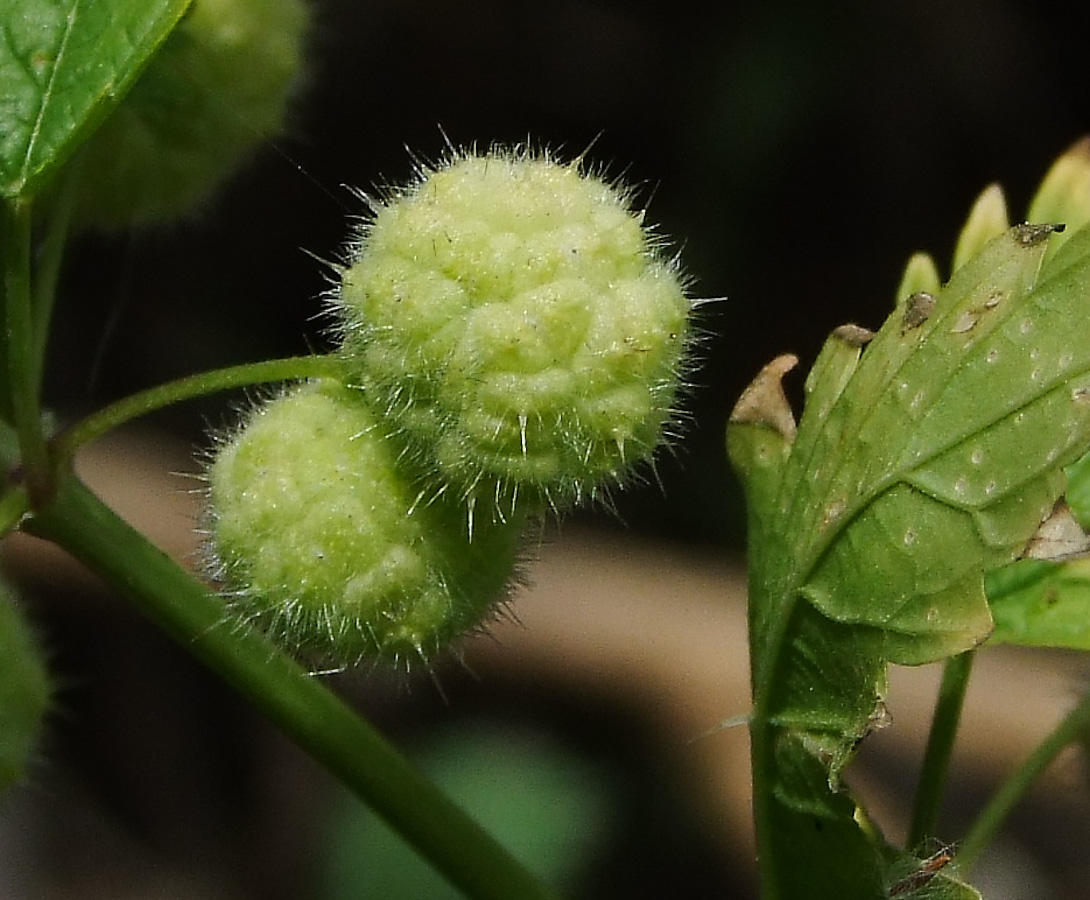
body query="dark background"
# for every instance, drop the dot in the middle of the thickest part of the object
(796, 152)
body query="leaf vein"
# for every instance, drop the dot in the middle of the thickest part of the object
(47, 92)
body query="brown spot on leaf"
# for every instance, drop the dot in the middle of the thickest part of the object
(854, 335)
(919, 879)
(764, 402)
(918, 307)
(1059, 536)
(1031, 235)
(880, 718)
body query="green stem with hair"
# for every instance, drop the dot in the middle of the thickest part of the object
(1072, 728)
(23, 394)
(940, 747)
(296, 701)
(94, 426)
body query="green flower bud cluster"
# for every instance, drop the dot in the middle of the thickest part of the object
(512, 342)
(218, 87)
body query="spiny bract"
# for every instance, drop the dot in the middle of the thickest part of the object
(319, 533)
(520, 327)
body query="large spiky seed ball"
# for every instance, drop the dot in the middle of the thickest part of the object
(219, 86)
(322, 540)
(520, 326)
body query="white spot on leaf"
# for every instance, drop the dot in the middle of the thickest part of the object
(964, 322)
(834, 511)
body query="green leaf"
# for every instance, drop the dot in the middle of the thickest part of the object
(921, 275)
(923, 459)
(63, 65)
(1042, 604)
(987, 220)
(1078, 489)
(945, 456)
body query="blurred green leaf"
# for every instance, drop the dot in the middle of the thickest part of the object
(550, 807)
(1078, 490)
(1042, 604)
(63, 65)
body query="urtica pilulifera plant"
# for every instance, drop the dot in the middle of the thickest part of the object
(513, 340)
(520, 327)
(337, 531)
(219, 87)
(326, 540)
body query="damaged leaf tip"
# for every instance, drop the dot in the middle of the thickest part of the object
(764, 402)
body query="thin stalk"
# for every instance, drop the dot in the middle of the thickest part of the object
(23, 386)
(51, 258)
(1072, 727)
(298, 703)
(7, 415)
(9, 446)
(109, 417)
(14, 504)
(940, 747)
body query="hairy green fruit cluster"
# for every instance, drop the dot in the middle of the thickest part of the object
(512, 341)
(519, 326)
(325, 538)
(24, 691)
(217, 88)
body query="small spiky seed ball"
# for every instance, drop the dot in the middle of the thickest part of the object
(217, 88)
(518, 323)
(24, 691)
(322, 540)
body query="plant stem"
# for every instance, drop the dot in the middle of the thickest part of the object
(13, 506)
(292, 368)
(298, 703)
(50, 259)
(940, 746)
(1073, 726)
(23, 383)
